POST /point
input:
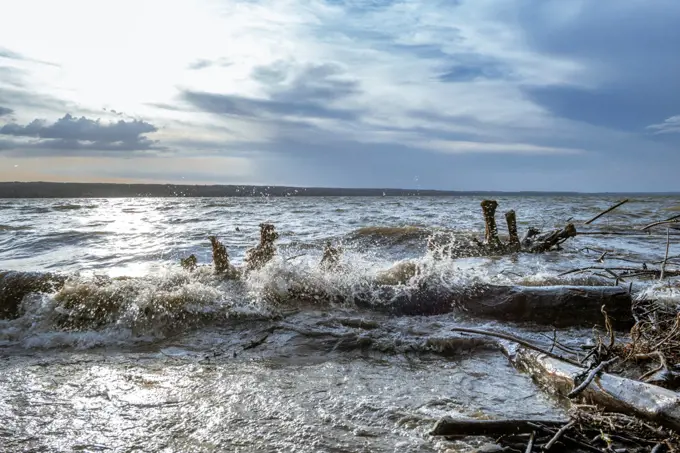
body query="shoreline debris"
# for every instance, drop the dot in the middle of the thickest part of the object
(258, 256)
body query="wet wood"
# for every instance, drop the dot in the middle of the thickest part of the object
(560, 306)
(606, 211)
(259, 256)
(546, 242)
(491, 230)
(611, 393)
(448, 426)
(221, 259)
(511, 220)
(14, 286)
(668, 221)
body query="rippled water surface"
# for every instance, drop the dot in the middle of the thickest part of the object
(190, 362)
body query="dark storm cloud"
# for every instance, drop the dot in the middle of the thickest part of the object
(5, 111)
(71, 133)
(632, 48)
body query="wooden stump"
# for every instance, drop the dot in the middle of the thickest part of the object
(220, 256)
(491, 230)
(511, 220)
(260, 255)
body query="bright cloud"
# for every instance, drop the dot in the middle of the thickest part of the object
(308, 91)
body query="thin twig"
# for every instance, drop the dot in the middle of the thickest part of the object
(606, 211)
(674, 219)
(567, 438)
(517, 340)
(559, 434)
(530, 445)
(595, 371)
(665, 260)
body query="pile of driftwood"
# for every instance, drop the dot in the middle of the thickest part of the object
(622, 393)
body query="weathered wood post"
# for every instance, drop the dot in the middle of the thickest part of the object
(491, 232)
(220, 255)
(511, 220)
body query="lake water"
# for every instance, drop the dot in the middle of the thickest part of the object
(190, 362)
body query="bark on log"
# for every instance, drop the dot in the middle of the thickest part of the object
(560, 306)
(14, 286)
(612, 393)
(491, 230)
(546, 242)
(448, 426)
(511, 220)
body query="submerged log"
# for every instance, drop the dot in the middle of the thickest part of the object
(610, 392)
(547, 305)
(448, 426)
(14, 286)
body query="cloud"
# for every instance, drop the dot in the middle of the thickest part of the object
(629, 56)
(5, 111)
(669, 126)
(203, 64)
(459, 147)
(10, 55)
(532, 93)
(71, 133)
(308, 93)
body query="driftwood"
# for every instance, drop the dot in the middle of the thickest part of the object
(189, 263)
(532, 242)
(259, 256)
(668, 221)
(14, 286)
(606, 211)
(491, 231)
(331, 257)
(610, 392)
(511, 220)
(221, 260)
(547, 305)
(448, 426)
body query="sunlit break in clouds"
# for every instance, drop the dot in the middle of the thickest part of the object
(462, 95)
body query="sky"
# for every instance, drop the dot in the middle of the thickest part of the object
(510, 95)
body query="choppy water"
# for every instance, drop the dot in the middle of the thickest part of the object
(189, 362)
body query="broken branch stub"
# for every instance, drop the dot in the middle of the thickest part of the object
(189, 263)
(331, 257)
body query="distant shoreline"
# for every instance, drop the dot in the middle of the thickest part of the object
(106, 190)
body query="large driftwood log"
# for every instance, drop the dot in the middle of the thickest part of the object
(14, 286)
(612, 393)
(548, 305)
(448, 426)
